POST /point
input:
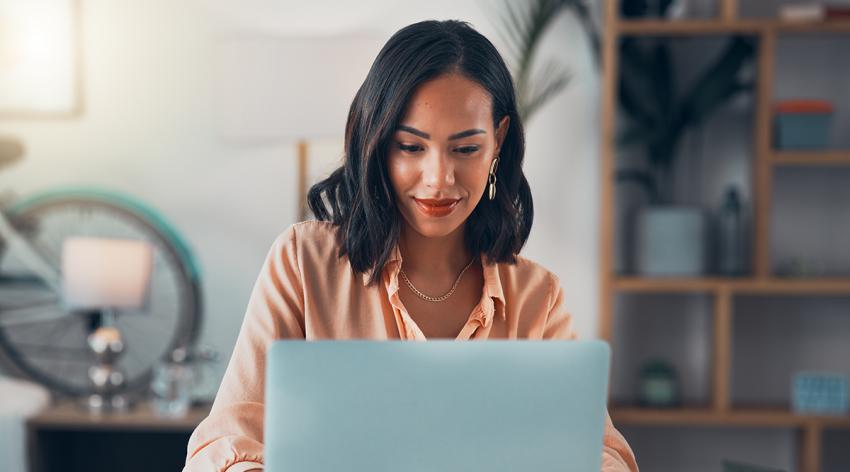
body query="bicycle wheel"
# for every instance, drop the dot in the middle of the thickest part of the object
(45, 341)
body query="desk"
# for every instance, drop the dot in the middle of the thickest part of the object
(65, 437)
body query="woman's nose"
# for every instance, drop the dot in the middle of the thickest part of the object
(438, 170)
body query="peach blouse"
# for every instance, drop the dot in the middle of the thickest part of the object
(305, 291)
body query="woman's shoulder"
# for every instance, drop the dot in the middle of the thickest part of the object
(528, 267)
(313, 230)
(310, 241)
(528, 276)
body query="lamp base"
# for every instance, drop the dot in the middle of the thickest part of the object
(107, 343)
(114, 403)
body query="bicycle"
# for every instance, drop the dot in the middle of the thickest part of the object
(40, 338)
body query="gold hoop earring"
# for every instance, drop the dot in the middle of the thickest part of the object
(492, 178)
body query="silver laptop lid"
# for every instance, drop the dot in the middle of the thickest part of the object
(435, 406)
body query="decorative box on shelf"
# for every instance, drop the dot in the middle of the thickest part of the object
(803, 124)
(820, 393)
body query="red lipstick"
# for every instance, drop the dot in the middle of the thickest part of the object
(436, 208)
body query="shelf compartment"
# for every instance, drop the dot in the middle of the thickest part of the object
(677, 329)
(835, 457)
(810, 223)
(776, 337)
(696, 448)
(806, 67)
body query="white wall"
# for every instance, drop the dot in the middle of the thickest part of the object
(148, 129)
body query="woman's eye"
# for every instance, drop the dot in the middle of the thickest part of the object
(413, 148)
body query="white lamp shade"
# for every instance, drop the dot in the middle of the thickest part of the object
(105, 273)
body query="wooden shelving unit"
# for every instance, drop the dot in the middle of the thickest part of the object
(767, 286)
(760, 417)
(720, 412)
(825, 158)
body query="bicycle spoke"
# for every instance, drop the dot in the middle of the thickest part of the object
(35, 303)
(56, 352)
(30, 314)
(61, 326)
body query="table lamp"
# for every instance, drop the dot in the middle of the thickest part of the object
(106, 275)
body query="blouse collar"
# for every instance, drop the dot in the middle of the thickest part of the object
(492, 282)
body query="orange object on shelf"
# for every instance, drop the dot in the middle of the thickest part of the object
(803, 106)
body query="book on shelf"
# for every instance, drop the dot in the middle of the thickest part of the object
(808, 11)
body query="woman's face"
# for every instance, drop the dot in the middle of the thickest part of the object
(440, 155)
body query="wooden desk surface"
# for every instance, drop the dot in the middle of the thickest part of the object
(68, 415)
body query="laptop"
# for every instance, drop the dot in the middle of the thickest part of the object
(372, 406)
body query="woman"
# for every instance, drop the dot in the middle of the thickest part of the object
(418, 234)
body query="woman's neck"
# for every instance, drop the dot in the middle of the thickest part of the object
(433, 257)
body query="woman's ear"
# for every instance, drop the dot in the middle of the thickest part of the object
(501, 132)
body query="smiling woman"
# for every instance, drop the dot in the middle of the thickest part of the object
(432, 130)
(436, 110)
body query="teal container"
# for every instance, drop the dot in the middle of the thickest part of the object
(796, 131)
(820, 393)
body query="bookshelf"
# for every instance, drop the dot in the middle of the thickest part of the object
(761, 282)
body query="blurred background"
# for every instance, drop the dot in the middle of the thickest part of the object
(689, 161)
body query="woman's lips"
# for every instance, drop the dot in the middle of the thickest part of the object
(436, 208)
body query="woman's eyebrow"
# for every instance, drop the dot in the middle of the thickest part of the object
(425, 135)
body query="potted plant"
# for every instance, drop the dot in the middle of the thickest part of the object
(671, 238)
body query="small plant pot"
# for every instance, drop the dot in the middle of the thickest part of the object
(671, 241)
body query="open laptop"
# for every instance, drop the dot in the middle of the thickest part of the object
(372, 406)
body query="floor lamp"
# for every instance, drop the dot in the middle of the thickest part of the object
(292, 89)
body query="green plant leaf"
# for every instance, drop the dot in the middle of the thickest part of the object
(633, 8)
(582, 12)
(636, 83)
(640, 177)
(634, 134)
(551, 80)
(662, 72)
(663, 6)
(524, 25)
(718, 83)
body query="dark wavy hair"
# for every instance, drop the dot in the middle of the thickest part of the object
(358, 197)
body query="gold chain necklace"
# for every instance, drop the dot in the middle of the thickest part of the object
(440, 298)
